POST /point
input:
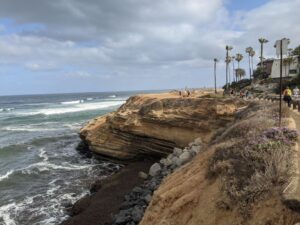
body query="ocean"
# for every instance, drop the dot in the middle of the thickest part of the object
(40, 171)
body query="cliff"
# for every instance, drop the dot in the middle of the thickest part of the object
(238, 179)
(153, 124)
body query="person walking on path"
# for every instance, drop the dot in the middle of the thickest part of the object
(287, 96)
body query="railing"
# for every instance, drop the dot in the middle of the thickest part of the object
(295, 103)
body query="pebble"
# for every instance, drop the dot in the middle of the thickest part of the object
(143, 175)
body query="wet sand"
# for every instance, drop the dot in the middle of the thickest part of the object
(98, 208)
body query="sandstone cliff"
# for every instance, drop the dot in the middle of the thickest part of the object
(154, 124)
(232, 180)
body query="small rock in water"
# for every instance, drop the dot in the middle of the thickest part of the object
(154, 169)
(143, 175)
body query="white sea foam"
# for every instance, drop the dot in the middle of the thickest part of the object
(5, 176)
(6, 109)
(89, 99)
(45, 126)
(112, 96)
(5, 215)
(43, 154)
(27, 128)
(72, 102)
(75, 108)
(47, 166)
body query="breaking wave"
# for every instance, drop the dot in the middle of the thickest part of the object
(6, 109)
(74, 108)
(72, 102)
(6, 176)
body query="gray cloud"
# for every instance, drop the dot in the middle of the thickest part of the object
(140, 38)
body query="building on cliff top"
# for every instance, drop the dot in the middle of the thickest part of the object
(272, 67)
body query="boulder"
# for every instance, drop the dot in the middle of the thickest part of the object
(177, 151)
(137, 214)
(123, 217)
(185, 157)
(154, 169)
(162, 161)
(147, 198)
(195, 149)
(167, 162)
(176, 161)
(143, 175)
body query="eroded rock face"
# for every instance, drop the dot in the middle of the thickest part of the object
(153, 125)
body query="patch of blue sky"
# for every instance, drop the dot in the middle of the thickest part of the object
(87, 44)
(11, 27)
(244, 5)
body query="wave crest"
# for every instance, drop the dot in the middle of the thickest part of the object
(72, 102)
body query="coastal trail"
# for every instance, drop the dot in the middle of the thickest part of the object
(291, 194)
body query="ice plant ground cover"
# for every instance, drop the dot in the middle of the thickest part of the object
(252, 158)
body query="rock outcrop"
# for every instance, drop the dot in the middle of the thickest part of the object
(155, 124)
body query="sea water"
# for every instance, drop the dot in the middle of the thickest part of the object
(40, 171)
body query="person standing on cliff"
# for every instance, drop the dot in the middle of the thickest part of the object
(287, 96)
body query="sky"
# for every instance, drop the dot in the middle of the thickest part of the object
(64, 46)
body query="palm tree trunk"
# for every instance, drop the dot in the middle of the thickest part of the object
(233, 72)
(261, 56)
(249, 66)
(215, 75)
(252, 64)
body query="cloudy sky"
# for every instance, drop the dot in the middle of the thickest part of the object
(65, 46)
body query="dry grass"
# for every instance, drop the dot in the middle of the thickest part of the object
(252, 159)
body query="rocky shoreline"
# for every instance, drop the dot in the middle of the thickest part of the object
(107, 195)
(128, 200)
(144, 133)
(135, 203)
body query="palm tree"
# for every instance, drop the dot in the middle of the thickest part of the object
(215, 73)
(262, 41)
(239, 57)
(228, 61)
(233, 71)
(249, 50)
(240, 73)
(252, 54)
(228, 48)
